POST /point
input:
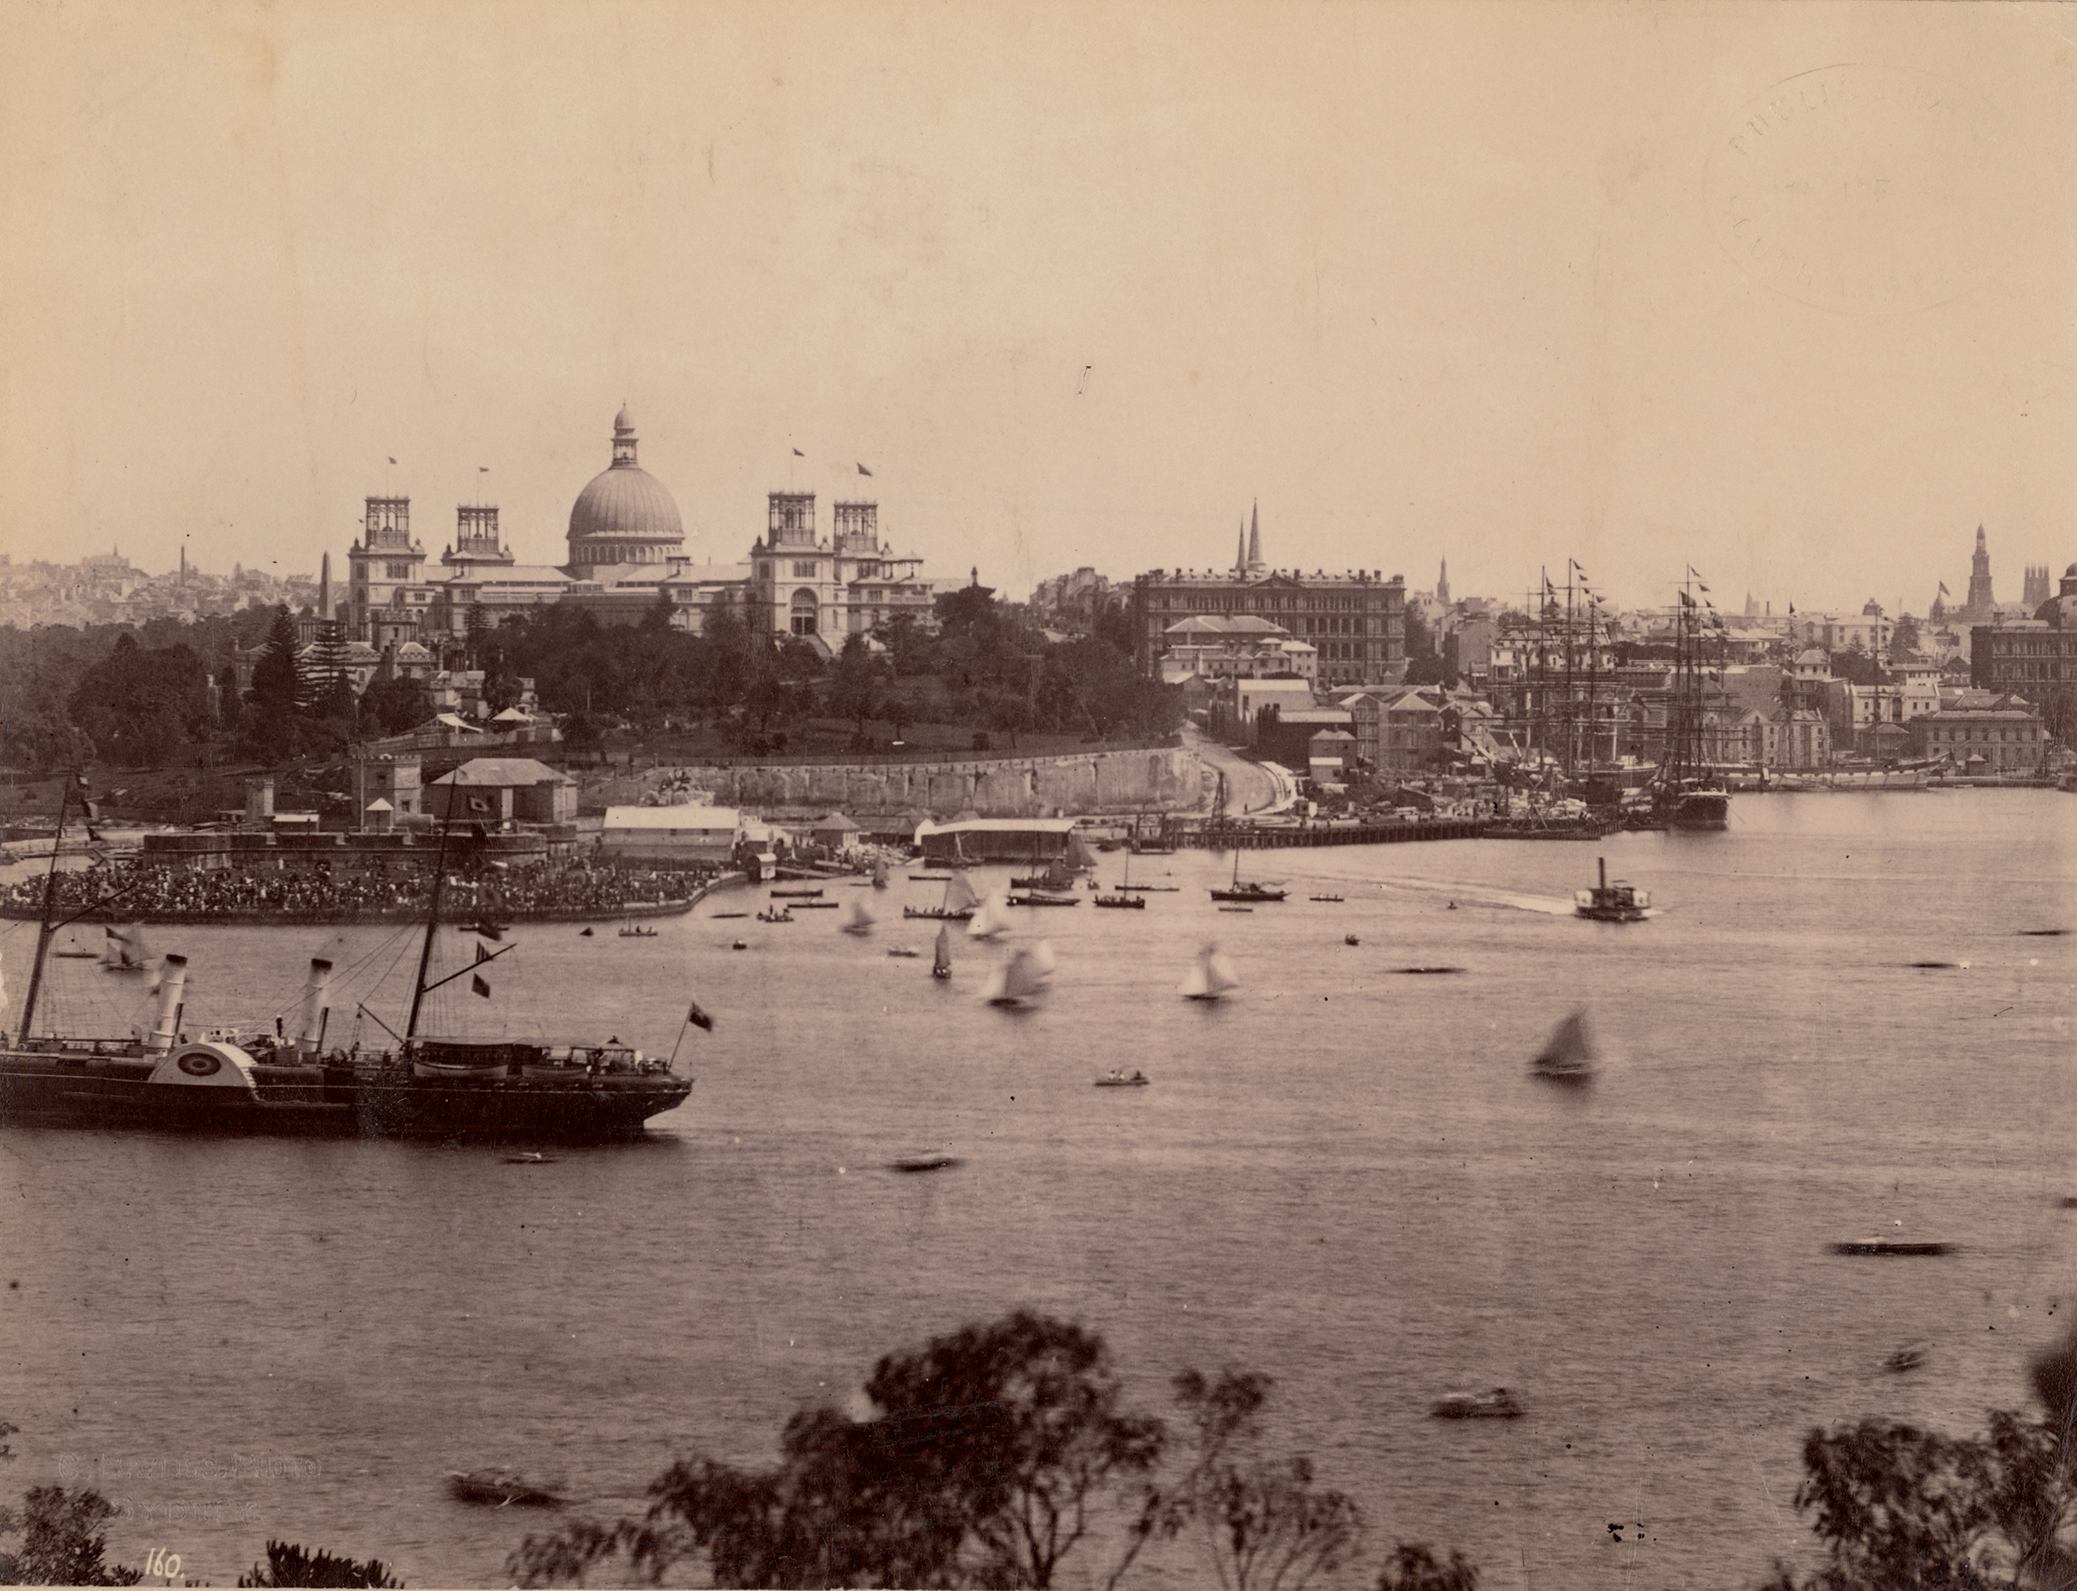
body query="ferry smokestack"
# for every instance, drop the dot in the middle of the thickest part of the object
(171, 982)
(313, 1008)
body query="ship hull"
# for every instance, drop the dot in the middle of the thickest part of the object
(41, 1090)
(1700, 810)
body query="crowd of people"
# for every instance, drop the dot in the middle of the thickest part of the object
(159, 892)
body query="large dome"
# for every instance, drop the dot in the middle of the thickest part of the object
(626, 515)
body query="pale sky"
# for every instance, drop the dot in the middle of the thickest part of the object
(1780, 290)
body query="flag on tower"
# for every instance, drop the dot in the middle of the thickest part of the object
(1943, 589)
(797, 453)
(483, 469)
(392, 461)
(864, 471)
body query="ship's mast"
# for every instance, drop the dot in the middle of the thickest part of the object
(50, 903)
(432, 923)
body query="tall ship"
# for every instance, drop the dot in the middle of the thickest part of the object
(419, 1086)
(1688, 793)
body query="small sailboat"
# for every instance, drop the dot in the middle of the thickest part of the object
(991, 918)
(1124, 900)
(957, 906)
(632, 930)
(858, 918)
(1027, 975)
(941, 962)
(1249, 891)
(124, 950)
(1568, 1055)
(1211, 976)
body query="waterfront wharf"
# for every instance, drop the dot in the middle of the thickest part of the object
(1278, 839)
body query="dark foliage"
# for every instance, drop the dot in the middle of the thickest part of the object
(1902, 1509)
(289, 1565)
(140, 708)
(278, 694)
(62, 1540)
(987, 1452)
(1263, 1520)
(1415, 1568)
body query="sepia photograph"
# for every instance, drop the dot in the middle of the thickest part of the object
(1090, 797)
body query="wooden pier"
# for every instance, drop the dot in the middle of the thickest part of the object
(1226, 837)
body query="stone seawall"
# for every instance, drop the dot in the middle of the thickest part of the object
(1169, 779)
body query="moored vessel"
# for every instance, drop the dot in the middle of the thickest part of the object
(441, 1087)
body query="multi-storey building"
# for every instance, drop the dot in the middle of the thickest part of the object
(2032, 657)
(387, 598)
(1356, 620)
(2000, 739)
(1870, 631)
(1071, 602)
(626, 557)
(824, 589)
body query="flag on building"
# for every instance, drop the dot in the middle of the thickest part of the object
(699, 1018)
(797, 453)
(864, 471)
(392, 461)
(1943, 589)
(478, 986)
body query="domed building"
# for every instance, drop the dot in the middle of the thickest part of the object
(627, 558)
(625, 516)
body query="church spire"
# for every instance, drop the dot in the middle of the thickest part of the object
(1240, 550)
(1255, 538)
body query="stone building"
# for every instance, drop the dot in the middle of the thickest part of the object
(824, 590)
(2005, 738)
(1355, 620)
(2035, 657)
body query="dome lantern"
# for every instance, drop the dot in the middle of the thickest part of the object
(625, 515)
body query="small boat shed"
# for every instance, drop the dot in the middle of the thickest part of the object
(1012, 840)
(670, 834)
(835, 831)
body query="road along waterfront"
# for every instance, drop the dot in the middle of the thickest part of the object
(1341, 1175)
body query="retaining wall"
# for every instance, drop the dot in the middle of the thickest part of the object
(1167, 779)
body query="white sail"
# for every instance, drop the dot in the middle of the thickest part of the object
(858, 918)
(124, 950)
(1026, 976)
(942, 963)
(992, 919)
(959, 894)
(1210, 976)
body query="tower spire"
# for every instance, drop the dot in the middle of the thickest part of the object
(1240, 550)
(1254, 537)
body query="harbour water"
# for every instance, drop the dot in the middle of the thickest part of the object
(1342, 1176)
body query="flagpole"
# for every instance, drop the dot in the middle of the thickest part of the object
(684, 1022)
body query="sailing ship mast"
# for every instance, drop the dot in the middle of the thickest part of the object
(432, 922)
(45, 927)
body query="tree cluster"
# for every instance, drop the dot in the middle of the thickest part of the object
(135, 695)
(1898, 1508)
(992, 1454)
